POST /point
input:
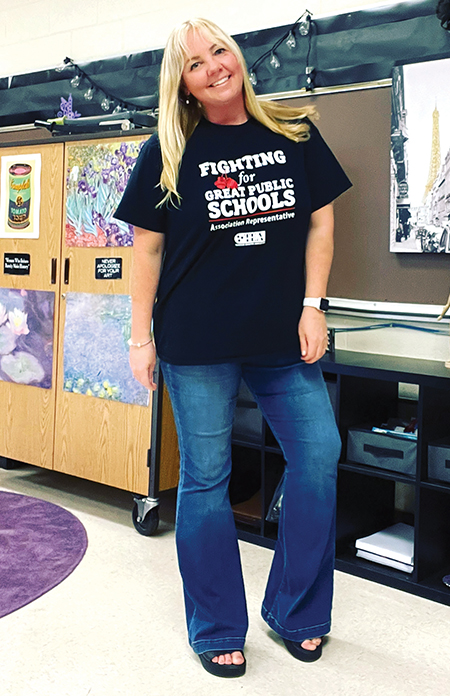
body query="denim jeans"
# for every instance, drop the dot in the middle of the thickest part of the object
(294, 401)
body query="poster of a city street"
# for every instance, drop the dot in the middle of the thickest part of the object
(420, 158)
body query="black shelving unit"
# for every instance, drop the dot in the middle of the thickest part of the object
(364, 389)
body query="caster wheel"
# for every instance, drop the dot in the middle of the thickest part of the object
(149, 524)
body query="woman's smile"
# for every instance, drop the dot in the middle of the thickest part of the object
(214, 76)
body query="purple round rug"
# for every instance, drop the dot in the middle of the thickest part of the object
(40, 545)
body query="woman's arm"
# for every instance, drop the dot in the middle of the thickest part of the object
(312, 327)
(148, 249)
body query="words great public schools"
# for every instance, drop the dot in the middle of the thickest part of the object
(241, 196)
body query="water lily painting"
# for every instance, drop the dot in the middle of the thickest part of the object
(97, 175)
(26, 337)
(97, 329)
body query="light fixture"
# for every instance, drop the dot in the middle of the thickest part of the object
(309, 77)
(305, 26)
(274, 62)
(89, 93)
(252, 77)
(75, 81)
(106, 104)
(290, 41)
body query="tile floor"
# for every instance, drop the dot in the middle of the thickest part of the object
(115, 626)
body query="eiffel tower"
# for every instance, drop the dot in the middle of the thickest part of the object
(435, 159)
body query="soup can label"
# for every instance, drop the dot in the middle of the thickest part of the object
(19, 196)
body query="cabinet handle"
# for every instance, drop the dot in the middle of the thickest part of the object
(66, 271)
(383, 451)
(53, 275)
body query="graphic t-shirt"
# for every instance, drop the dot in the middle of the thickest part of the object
(232, 282)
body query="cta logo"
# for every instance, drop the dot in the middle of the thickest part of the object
(250, 238)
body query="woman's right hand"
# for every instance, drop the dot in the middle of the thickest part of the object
(143, 363)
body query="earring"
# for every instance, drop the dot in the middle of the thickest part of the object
(187, 102)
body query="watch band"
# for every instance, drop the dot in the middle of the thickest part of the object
(320, 303)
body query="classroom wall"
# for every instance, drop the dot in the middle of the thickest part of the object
(43, 32)
(38, 34)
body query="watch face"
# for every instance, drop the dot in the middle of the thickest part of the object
(324, 304)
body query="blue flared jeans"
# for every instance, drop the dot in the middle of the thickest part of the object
(294, 401)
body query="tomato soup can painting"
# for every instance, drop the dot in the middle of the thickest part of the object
(19, 196)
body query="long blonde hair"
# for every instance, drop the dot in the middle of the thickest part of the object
(177, 119)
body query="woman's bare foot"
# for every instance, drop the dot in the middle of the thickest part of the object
(234, 658)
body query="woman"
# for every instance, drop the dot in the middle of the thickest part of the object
(238, 195)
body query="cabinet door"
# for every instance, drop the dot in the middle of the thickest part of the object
(96, 438)
(27, 410)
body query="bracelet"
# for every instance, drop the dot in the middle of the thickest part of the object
(139, 345)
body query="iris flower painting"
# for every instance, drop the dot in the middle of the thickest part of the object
(96, 179)
(96, 351)
(26, 337)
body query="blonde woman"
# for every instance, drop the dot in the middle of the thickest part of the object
(232, 208)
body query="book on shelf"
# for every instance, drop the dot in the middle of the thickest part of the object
(393, 546)
(405, 567)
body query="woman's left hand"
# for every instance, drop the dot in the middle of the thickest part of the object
(312, 331)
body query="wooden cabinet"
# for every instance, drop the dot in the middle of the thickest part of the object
(103, 441)
(369, 389)
(27, 413)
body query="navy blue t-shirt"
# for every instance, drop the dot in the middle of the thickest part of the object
(232, 282)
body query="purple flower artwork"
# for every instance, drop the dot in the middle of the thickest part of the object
(26, 337)
(96, 179)
(96, 350)
(66, 108)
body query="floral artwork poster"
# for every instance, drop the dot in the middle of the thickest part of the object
(20, 196)
(26, 337)
(97, 328)
(97, 175)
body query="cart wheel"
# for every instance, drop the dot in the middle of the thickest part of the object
(149, 524)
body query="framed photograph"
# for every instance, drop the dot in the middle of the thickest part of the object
(420, 158)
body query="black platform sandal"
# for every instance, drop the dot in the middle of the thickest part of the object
(302, 654)
(227, 671)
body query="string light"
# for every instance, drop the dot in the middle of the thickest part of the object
(106, 104)
(75, 81)
(62, 66)
(309, 71)
(304, 26)
(253, 79)
(274, 62)
(291, 41)
(107, 99)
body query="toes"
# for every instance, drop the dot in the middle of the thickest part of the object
(235, 658)
(311, 644)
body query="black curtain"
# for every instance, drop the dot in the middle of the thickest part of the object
(353, 47)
